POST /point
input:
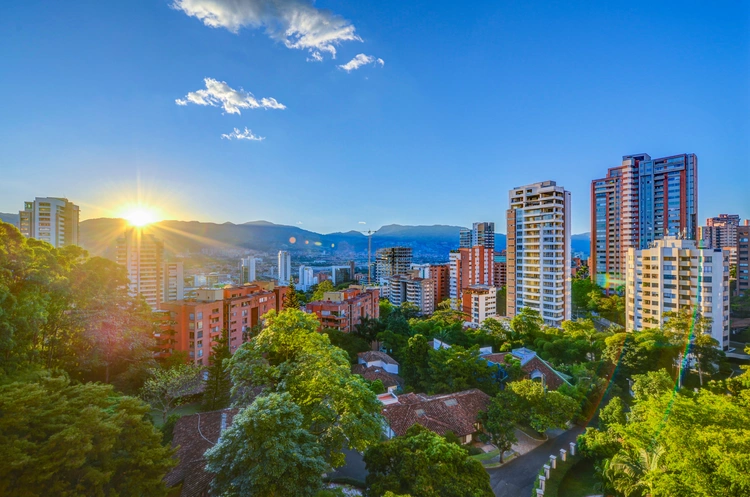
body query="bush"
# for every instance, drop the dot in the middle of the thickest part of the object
(474, 451)
(167, 429)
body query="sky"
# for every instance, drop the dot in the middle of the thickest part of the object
(338, 115)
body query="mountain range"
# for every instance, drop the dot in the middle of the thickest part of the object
(98, 236)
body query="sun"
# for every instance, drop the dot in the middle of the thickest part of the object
(139, 216)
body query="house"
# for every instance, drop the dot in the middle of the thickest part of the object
(375, 358)
(193, 435)
(455, 412)
(372, 373)
(534, 366)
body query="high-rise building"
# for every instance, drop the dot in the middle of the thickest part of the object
(391, 261)
(538, 253)
(248, 272)
(675, 274)
(150, 275)
(743, 258)
(50, 219)
(440, 276)
(470, 266)
(500, 269)
(305, 278)
(720, 231)
(285, 267)
(638, 202)
(344, 309)
(341, 274)
(413, 289)
(480, 234)
(479, 302)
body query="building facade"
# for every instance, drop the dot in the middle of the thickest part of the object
(538, 253)
(248, 272)
(470, 266)
(675, 274)
(391, 261)
(720, 231)
(413, 289)
(500, 269)
(285, 267)
(50, 219)
(638, 202)
(480, 234)
(306, 278)
(343, 310)
(743, 258)
(479, 303)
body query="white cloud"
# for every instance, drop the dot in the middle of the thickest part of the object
(296, 23)
(220, 94)
(242, 135)
(361, 60)
(362, 222)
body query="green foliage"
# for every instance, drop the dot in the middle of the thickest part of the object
(320, 290)
(216, 394)
(651, 384)
(502, 301)
(289, 355)
(612, 414)
(543, 410)
(291, 299)
(376, 386)
(527, 323)
(499, 421)
(349, 342)
(267, 451)
(415, 369)
(424, 464)
(62, 438)
(456, 369)
(168, 389)
(167, 429)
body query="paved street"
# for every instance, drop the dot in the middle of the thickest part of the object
(516, 478)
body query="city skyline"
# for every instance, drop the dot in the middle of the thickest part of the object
(147, 113)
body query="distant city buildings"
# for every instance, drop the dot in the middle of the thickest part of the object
(480, 234)
(50, 219)
(637, 203)
(470, 266)
(150, 275)
(248, 270)
(439, 274)
(479, 302)
(500, 269)
(538, 253)
(344, 309)
(721, 232)
(285, 267)
(392, 261)
(342, 274)
(675, 274)
(413, 289)
(306, 278)
(743, 258)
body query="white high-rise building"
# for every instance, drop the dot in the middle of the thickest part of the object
(50, 219)
(306, 279)
(285, 267)
(247, 270)
(538, 253)
(479, 303)
(672, 275)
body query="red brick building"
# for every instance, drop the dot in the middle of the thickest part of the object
(440, 274)
(193, 325)
(344, 309)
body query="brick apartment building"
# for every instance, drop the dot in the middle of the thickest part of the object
(344, 309)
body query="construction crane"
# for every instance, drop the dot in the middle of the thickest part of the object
(369, 234)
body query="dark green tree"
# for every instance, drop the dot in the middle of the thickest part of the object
(291, 299)
(499, 421)
(423, 464)
(217, 391)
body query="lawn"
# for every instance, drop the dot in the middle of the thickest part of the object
(486, 456)
(182, 411)
(580, 480)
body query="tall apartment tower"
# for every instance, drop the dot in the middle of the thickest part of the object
(470, 266)
(248, 270)
(480, 234)
(743, 258)
(305, 278)
(285, 267)
(675, 274)
(538, 252)
(391, 261)
(720, 231)
(637, 203)
(50, 219)
(157, 280)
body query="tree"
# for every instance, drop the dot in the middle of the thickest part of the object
(423, 464)
(543, 410)
(320, 290)
(267, 452)
(61, 438)
(707, 353)
(289, 355)
(415, 368)
(291, 299)
(501, 299)
(499, 421)
(167, 388)
(527, 323)
(216, 394)
(348, 342)
(651, 384)
(456, 369)
(636, 472)
(368, 328)
(612, 414)
(409, 310)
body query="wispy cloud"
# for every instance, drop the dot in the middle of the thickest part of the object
(361, 60)
(362, 222)
(220, 94)
(242, 135)
(296, 23)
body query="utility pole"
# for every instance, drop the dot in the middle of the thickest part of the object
(369, 257)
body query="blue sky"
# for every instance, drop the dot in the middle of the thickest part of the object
(472, 99)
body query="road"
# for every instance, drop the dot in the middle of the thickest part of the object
(516, 478)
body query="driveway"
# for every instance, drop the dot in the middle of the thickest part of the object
(516, 478)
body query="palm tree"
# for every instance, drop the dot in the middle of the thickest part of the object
(634, 473)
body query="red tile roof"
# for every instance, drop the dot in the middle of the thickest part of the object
(373, 373)
(456, 412)
(194, 435)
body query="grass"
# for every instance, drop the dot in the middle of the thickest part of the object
(486, 456)
(580, 480)
(557, 475)
(183, 410)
